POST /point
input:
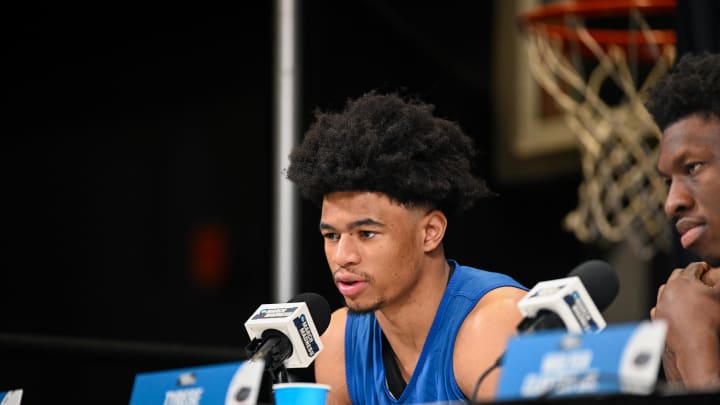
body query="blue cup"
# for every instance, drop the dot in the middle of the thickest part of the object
(300, 393)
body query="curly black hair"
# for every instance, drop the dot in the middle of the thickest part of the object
(385, 143)
(691, 86)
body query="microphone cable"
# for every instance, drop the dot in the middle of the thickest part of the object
(473, 397)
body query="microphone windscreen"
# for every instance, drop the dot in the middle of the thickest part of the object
(318, 307)
(599, 280)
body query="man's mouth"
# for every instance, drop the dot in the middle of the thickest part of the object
(350, 287)
(690, 231)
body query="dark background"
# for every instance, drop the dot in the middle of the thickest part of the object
(137, 175)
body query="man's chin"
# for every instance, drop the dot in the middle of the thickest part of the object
(357, 309)
(713, 261)
(710, 257)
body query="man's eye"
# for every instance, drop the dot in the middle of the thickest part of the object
(693, 167)
(330, 236)
(367, 234)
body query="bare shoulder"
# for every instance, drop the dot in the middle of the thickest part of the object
(483, 336)
(500, 296)
(330, 363)
(496, 312)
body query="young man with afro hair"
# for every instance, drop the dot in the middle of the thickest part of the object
(417, 327)
(686, 106)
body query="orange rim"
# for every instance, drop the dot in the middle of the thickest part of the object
(548, 20)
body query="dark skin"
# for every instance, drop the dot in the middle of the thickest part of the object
(690, 302)
(690, 299)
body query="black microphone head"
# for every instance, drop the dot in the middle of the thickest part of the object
(318, 307)
(599, 280)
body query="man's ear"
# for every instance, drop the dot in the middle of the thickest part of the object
(435, 225)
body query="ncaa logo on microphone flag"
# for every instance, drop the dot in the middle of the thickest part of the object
(306, 335)
(270, 313)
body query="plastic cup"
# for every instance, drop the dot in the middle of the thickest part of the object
(300, 393)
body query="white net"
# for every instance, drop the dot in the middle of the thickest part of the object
(621, 196)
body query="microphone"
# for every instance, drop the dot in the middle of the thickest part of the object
(573, 302)
(288, 335)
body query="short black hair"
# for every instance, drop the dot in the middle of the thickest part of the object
(692, 86)
(389, 144)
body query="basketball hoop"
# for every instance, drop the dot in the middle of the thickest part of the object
(596, 59)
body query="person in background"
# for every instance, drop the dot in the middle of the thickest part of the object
(686, 106)
(417, 326)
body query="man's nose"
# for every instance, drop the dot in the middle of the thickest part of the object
(678, 200)
(346, 251)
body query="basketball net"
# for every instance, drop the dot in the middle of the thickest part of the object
(621, 197)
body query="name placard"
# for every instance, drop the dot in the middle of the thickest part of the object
(235, 383)
(12, 397)
(623, 358)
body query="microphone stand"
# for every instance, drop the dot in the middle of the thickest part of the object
(274, 348)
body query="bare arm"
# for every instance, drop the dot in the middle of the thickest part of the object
(330, 363)
(482, 340)
(691, 308)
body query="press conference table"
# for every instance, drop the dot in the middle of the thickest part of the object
(655, 399)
